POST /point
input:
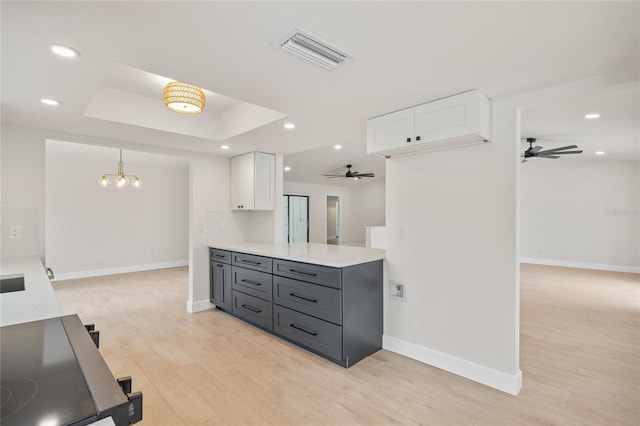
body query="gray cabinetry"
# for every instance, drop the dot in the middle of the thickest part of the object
(333, 312)
(220, 279)
(251, 261)
(253, 310)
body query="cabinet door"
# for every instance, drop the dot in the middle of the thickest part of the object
(242, 182)
(393, 130)
(220, 290)
(448, 118)
(265, 181)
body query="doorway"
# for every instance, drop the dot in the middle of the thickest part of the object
(333, 219)
(296, 219)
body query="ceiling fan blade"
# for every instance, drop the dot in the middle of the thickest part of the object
(549, 156)
(567, 152)
(562, 148)
(536, 149)
(364, 175)
(333, 176)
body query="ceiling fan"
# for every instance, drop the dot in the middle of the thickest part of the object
(349, 174)
(554, 153)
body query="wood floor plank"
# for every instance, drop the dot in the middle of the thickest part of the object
(580, 358)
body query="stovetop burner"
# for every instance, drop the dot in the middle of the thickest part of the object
(17, 393)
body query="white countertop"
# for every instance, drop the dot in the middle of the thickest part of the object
(319, 254)
(36, 302)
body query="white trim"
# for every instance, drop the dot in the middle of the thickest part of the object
(509, 383)
(200, 305)
(582, 265)
(120, 270)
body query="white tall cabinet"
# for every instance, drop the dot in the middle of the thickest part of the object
(253, 180)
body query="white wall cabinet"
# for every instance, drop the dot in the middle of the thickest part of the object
(457, 120)
(253, 180)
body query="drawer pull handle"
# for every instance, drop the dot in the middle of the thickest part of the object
(219, 255)
(308, 299)
(250, 282)
(252, 309)
(250, 262)
(297, 327)
(311, 274)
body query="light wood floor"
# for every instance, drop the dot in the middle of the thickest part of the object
(580, 357)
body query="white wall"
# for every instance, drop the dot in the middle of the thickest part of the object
(208, 190)
(92, 230)
(318, 209)
(22, 177)
(581, 213)
(368, 201)
(23, 190)
(459, 257)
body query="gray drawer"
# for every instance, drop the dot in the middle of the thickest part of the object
(312, 299)
(251, 261)
(218, 255)
(317, 274)
(313, 333)
(253, 310)
(252, 282)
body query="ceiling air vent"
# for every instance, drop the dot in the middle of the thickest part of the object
(313, 49)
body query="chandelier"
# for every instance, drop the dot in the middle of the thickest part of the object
(120, 179)
(183, 98)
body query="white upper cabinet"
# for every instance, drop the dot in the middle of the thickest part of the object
(253, 181)
(462, 119)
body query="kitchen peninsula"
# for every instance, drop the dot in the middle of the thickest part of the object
(324, 298)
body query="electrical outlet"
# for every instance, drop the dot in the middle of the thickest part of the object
(397, 289)
(201, 228)
(15, 231)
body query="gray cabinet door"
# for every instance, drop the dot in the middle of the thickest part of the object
(251, 261)
(252, 282)
(218, 255)
(220, 285)
(321, 336)
(253, 310)
(317, 274)
(311, 299)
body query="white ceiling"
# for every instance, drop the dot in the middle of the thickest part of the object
(405, 53)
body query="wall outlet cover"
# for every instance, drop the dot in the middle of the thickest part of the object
(397, 290)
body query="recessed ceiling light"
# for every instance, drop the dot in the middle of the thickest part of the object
(47, 101)
(592, 116)
(599, 152)
(287, 169)
(64, 51)
(289, 125)
(224, 146)
(337, 146)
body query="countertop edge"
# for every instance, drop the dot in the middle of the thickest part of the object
(365, 255)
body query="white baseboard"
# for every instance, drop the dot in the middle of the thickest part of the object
(509, 383)
(200, 305)
(582, 265)
(119, 270)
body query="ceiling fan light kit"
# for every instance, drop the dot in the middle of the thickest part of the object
(183, 98)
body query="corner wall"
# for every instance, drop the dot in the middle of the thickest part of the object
(459, 259)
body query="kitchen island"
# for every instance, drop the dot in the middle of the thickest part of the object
(324, 298)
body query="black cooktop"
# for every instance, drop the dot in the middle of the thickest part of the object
(42, 383)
